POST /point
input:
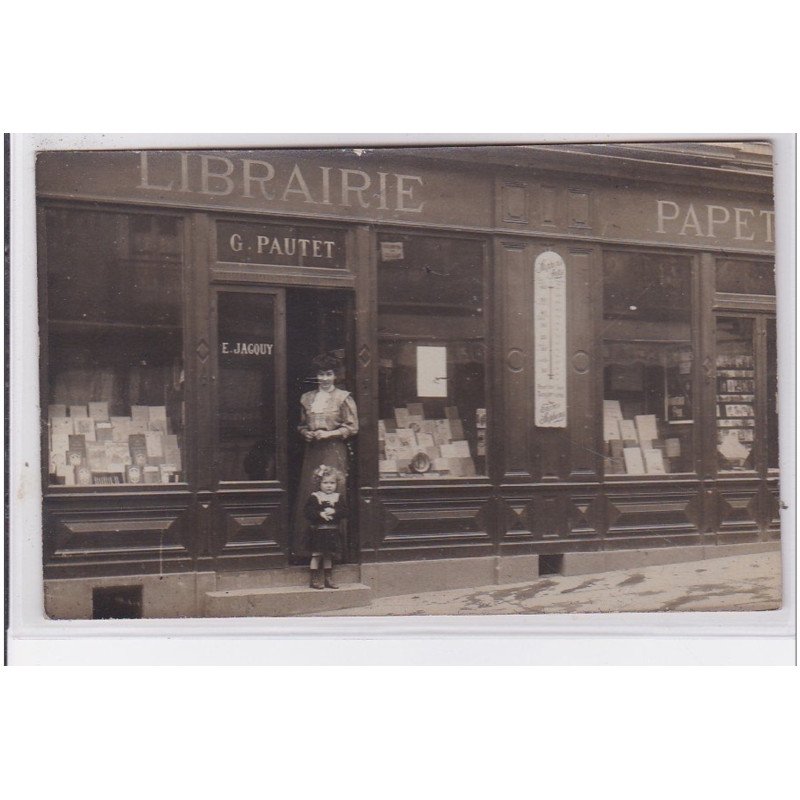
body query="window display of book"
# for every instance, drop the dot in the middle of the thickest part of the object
(442, 442)
(735, 409)
(635, 446)
(87, 446)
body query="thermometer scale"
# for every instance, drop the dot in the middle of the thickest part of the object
(550, 330)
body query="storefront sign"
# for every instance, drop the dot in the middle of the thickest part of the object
(314, 185)
(711, 222)
(246, 348)
(550, 330)
(282, 245)
(345, 183)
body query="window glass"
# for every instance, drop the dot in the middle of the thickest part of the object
(648, 386)
(772, 395)
(735, 399)
(432, 393)
(115, 364)
(745, 277)
(246, 339)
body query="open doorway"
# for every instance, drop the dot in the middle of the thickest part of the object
(317, 321)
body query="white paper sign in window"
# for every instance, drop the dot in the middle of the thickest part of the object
(431, 371)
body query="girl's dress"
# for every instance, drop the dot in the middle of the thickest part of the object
(323, 411)
(324, 535)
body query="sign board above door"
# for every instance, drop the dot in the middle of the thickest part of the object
(281, 245)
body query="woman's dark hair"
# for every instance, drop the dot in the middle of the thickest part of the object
(324, 362)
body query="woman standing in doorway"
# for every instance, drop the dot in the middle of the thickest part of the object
(328, 417)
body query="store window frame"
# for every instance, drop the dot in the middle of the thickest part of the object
(492, 422)
(760, 308)
(43, 265)
(695, 340)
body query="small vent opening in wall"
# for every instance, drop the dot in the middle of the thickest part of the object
(551, 564)
(117, 602)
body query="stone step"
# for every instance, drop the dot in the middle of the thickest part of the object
(284, 601)
(286, 576)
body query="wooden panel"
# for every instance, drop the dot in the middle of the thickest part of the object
(515, 281)
(582, 367)
(515, 519)
(201, 422)
(145, 534)
(580, 209)
(773, 510)
(550, 515)
(548, 206)
(514, 203)
(585, 515)
(435, 527)
(658, 511)
(366, 355)
(250, 527)
(705, 371)
(737, 510)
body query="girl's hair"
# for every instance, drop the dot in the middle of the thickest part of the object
(325, 363)
(327, 472)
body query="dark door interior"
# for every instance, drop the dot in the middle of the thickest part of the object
(317, 321)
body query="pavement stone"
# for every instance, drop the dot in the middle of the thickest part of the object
(735, 583)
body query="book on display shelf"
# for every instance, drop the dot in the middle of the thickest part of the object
(654, 462)
(158, 420)
(104, 432)
(634, 461)
(86, 427)
(98, 411)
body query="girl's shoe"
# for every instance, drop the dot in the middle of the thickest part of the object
(329, 584)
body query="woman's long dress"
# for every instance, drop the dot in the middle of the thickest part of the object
(322, 411)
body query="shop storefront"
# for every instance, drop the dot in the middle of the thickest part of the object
(556, 353)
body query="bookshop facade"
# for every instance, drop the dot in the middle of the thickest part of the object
(553, 351)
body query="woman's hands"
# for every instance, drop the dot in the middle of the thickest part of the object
(311, 436)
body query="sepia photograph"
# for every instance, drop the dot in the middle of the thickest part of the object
(473, 380)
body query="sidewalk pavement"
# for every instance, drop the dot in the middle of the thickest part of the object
(737, 583)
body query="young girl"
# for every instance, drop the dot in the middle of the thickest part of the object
(324, 510)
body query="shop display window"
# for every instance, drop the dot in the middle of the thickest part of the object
(735, 394)
(246, 412)
(115, 382)
(648, 359)
(432, 376)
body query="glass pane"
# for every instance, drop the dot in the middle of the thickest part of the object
(648, 392)
(735, 379)
(246, 336)
(745, 277)
(115, 352)
(432, 375)
(772, 395)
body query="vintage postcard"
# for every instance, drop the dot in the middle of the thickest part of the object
(520, 379)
